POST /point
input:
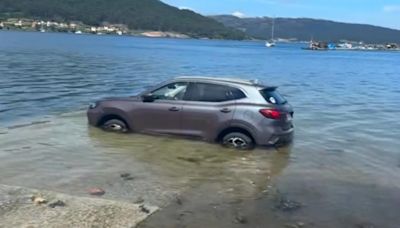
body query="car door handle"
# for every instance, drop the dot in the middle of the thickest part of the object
(174, 109)
(226, 110)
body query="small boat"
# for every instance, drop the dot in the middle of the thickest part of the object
(320, 46)
(271, 43)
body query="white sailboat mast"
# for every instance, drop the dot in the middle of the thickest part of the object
(273, 29)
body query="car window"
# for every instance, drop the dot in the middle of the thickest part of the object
(207, 92)
(173, 91)
(237, 93)
(272, 96)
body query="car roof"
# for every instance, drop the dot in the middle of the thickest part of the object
(226, 80)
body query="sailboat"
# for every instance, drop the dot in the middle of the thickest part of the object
(271, 42)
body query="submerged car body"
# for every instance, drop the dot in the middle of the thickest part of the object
(238, 113)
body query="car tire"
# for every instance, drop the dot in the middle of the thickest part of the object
(115, 125)
(238, 141)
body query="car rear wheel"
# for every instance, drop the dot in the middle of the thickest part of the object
(115, 125)
(238, 141)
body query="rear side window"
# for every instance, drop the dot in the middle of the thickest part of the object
(212, 93)
(237, 93)
(272, 96)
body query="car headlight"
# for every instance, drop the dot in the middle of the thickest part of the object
(92, 105)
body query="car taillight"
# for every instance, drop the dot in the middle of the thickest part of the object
(271, 113)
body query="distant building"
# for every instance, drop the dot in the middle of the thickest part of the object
(18, 23)
(72, 25)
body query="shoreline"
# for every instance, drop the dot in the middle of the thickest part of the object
(179, 36)
(147, 34)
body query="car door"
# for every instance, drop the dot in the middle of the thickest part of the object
(163, 114)
(207, 109)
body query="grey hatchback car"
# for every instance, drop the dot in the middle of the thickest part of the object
(236, 113)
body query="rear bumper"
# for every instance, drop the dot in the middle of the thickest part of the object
(282, 139)
(276, 138)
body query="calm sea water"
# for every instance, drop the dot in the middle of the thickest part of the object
(43, 74)
(345, 161)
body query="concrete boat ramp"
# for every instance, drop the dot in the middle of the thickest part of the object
(25, 207)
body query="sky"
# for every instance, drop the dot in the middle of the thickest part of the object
(384, 13)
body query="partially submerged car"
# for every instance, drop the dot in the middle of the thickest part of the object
(234, 112)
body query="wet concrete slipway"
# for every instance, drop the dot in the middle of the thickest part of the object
(188, 183)
(198, 183)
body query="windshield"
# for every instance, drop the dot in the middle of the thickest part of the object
(272, 96)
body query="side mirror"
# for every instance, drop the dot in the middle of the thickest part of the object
(148, 97)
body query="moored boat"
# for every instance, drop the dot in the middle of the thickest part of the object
(271, 43)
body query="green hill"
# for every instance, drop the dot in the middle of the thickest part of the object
(304, 29)
(137, 14)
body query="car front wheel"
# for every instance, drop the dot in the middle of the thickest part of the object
(115, 125)
(238, 141)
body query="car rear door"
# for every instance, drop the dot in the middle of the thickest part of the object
(207, 109)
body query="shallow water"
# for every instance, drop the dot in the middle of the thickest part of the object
(343, 166)
(65, 155)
